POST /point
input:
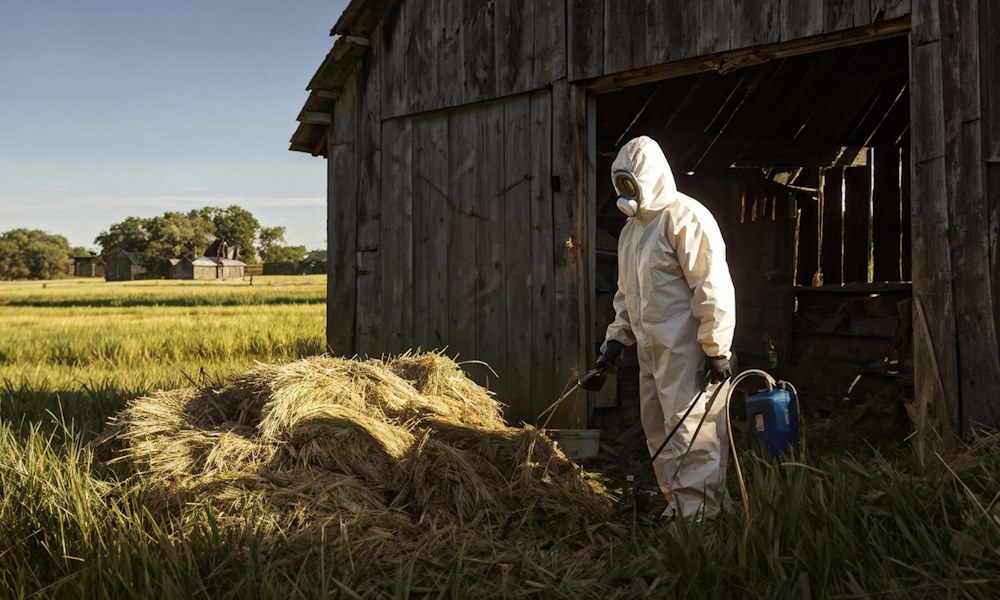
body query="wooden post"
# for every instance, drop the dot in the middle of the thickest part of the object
(906, 238)
(832, 255)
(857, 215)
(886, 225)
(808, 239)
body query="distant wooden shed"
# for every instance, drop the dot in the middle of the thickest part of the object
(123, 266)
(207, 267)
(847, 148)
(89, 265)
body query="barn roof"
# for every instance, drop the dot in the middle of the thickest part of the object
(129, 255)
(353, 27)
(212, 261)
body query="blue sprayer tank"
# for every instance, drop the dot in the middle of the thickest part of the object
(774, 420)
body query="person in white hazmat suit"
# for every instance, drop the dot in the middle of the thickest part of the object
(676, 303)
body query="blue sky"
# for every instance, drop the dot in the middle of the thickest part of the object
(116, 108)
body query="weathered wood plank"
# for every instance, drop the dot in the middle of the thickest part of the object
(514, 45)
(369, 317)
(569, 203)
(341, 285)
(889, 9)
(430, 231)
(449, 86)
(713, 20)
(935, 362)
(801, 18)
(478, 51)
(754, 23)
(423, 39)
(857, 216)
(549, 42)
(517, 176)
(586, 39)
(397, 236)
(886, 211)
(619, 29)
(463, 135)
(491, 301)
(841, 14)
(832, 256)
(808, 239)
(671, 31)
(393, 61)
(543, 307)
(989, 69)
(906, 208)
(978, 351)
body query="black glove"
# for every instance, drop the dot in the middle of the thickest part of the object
(719, 368)
(611, 356)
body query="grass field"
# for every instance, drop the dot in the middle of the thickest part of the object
(72, 352)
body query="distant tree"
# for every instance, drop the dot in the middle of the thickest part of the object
(272, 248)
(175, 235)
(237, 227)
(32, 254)
(78, 251)
(129, 235)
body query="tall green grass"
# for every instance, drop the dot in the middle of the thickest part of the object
(829, 526)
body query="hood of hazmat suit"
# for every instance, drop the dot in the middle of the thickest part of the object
(676, 304)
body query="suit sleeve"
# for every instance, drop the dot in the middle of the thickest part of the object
(621, 328)
(701, 253)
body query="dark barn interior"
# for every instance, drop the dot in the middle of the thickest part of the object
(804, 161)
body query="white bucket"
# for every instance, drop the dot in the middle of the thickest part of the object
(576, 444)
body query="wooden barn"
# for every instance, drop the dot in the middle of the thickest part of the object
(847, 148)
(89, 265)
(206, 267)
(123, 266)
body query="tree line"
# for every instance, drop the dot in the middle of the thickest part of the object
(34, 254)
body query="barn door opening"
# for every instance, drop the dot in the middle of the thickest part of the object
(804, 162)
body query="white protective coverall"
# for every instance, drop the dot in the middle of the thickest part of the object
(676, 302)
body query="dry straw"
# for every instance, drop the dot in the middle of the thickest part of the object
(393, 463)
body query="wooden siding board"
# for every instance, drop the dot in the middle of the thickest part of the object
(393, 70)
(549, 42)
(619, 30)
(462, 244)
(397, 236)
(713, 32)
(886, 211)
(888, 9)
(979, 365)
(754, 23)
(935, 360)
(801, 18)
(516, 228)
(491, 309)
(906, 209)
(478, 51)
(585, 38)
(423, 40)
(369, 161)
(430, 236)
(342, 227)
(543, 307)
(857, 201)
(833, 225)
(989, 69)
(569, 230)
(671, 30)
(514, 45)
(451, 70)
(841, 14)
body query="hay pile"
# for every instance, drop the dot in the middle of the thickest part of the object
(397, 464)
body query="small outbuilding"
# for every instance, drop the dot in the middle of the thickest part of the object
(207, 267)
(123, 266)
(89, 265)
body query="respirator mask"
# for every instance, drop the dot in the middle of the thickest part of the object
(629, 193)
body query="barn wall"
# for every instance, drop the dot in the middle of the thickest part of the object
(956, 136)
(461, 229)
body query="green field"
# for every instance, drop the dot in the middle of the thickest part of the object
(72, 352)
